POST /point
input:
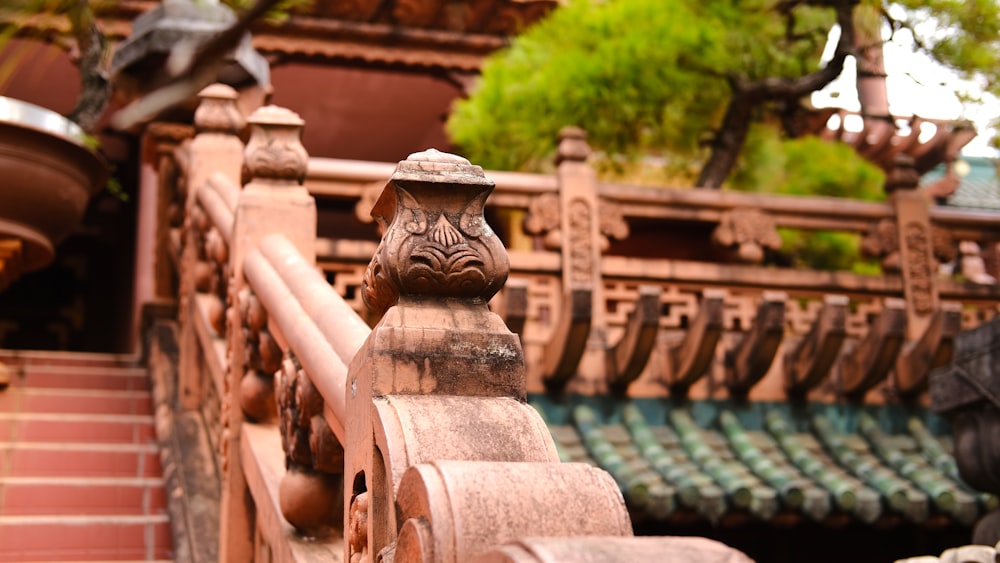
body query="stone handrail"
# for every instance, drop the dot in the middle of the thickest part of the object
(420, 421)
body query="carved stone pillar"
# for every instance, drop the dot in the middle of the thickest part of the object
(216, 149)
(916, 249)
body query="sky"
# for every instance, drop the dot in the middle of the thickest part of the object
(916, 86)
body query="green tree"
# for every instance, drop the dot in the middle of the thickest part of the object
(688, 80)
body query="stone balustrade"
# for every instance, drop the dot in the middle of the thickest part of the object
(401, 441)
(389, 441)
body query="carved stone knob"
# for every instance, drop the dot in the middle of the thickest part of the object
(436, 241)
(217, 112)
(274, 151)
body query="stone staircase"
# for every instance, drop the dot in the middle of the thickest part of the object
(80, 474)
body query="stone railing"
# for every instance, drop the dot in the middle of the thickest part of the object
(655, 291)
(410, 441)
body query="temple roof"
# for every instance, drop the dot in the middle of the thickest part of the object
(730, 464)
(433, 34)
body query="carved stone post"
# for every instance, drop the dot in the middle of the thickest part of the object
(916, 250)
(579, 337)
(215, 149)
(273, 201)
(440, 376)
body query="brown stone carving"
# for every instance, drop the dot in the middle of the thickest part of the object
(275, 152)
(934, 349)
(690, 358)
(434, 243)
(811, 360)
(313, 456)
(217, 112)
(752, 357)
(750, 231)
(868, 363)
(257, 384)
(882, 242)
(919, 269)
(543, 219)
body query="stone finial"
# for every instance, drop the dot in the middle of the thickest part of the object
(572, 145)
(217, 112)
(436, 242)
(903, 174)
(274, 151)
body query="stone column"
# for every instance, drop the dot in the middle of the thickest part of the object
(215, 149)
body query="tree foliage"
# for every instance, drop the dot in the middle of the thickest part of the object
(685, 79)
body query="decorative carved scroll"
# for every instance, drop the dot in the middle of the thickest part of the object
(628, 357)
(310, 491)
(543, 219)
(752, 357)
(919, 270)
(690, 359)
(934, 349)
(515, 304)
(810, 362)
(882, 242)
(750, 231)
(435, 245)
(870, 361)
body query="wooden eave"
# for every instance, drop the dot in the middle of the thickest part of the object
(412, 34)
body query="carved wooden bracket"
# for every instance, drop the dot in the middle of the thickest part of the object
(752, 357)
(811, 360)
(690, 359)
(934, 349)
(437, 243)
(628, 357)
(750, 231)
(869, 363)
(515, 304)
(569, 339)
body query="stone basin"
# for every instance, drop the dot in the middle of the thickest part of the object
(47, 176)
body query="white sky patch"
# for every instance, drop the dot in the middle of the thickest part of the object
(916, 85)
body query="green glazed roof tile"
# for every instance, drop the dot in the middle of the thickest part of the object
(814, 461)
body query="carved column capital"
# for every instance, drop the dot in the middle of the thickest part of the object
(436, 242)
(218, 112)
(275, 151)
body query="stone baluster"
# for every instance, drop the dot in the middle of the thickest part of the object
(273, 201)
(216, 149)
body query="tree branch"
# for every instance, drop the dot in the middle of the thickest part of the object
(747, 96)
